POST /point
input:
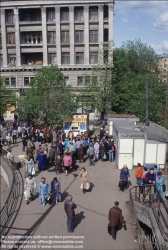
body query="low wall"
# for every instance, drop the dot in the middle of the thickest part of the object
(6, 172)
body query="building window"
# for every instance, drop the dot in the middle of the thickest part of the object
(80, 81)
(11, 38)
(93, 36)
(93, 57)
(65, 36)
(87, 80)
(79, 36)
(51, 37)
(52, 58)
(26, 81)
(10, 17)
(7, 81)
(1, 61)
(105, 56)
(65, 14)
(30, 15)
(32, 58)
(93, 13)
(65, 58)
(79, 58)
(50, 15)
(79, 14)
(33, 38)
(94, 80)
(13, 81)
(0, 39)
(12, 60)
(66, 80)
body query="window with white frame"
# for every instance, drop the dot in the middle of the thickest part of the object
(93, 57)
(11, 38)
(12, 59)
(9, 16)
(51, 15)
(65, 36)
(33, 38)
(13, 81)
(93, 36)
(66, 80)
(93, 13)
(87, 80)
(80, 81)
(52, 58)
(7, 81)
(65, 58)
(79, 14)
(79, 57)
(51, 37)
(27, 80)
(79, 36)
(64, 14)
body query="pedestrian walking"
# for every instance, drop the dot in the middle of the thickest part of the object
(69, 207)
(52, 155)
(58, 164)
(160, 184)
(81, 153)
(29, 163)
(102, 151)
(43, 190)
(14, 135)
(55, 190)
(138, 174)
(110, 151)
(124, 174)
(41, 160)
(24, 142)
(67, 161)
(96, 150)
(8, 140)
(30, 188)
(84, 179)
(30, 151)
(90, 153)
(115, 219)
(9, 154)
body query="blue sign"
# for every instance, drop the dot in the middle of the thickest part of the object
(82, 125)
(66, 126)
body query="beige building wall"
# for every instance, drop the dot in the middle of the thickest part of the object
(38, 33)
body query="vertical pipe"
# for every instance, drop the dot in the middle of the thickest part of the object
(147, 122)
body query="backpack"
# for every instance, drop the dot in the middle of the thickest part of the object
(113, 149)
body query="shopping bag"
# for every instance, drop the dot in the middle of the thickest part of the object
(109, 229)
(81, 187)
(164, 187)
(59, 196)
(87, 185)
(104, 157)
(166, 196)
(33, 171)
(25, 193)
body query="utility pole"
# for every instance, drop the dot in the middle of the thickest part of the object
(147, 121)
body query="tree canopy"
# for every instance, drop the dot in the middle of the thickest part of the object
(7, 96)
(47, 99)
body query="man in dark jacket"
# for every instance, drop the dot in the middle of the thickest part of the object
(115, 218)
(69, 207)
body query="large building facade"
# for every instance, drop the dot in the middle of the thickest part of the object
(40, 33)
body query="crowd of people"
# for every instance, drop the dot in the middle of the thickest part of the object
(51, 147)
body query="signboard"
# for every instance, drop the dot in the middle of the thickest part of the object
(66, 126)
(79, 118)
(82, 125)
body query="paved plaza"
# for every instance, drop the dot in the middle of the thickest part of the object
(91, 214)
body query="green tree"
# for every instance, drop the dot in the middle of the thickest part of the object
(133, 63)
(47, 99)
(7, 96)
(99, 82)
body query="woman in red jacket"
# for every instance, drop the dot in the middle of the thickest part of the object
(67, 161)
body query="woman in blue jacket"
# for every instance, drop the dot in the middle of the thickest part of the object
(43, 190)
(124, 174)
(160, 180)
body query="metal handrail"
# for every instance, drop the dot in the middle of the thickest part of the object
(9, 208)
(146, 198)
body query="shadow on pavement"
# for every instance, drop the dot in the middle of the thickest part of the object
(78, 218)
(36, 225)
(90, 188)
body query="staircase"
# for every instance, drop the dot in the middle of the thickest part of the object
(152, 213)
